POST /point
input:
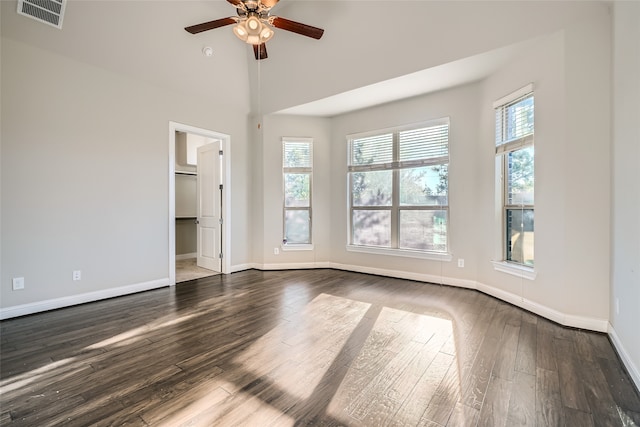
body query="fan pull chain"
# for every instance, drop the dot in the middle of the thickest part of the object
(259, 91)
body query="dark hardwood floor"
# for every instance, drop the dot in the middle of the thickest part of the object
(317, 347)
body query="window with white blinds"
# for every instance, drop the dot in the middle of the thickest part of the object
(297, 172)
(297, 154)
(398, 188)
(514, 120)
(424, 146)
(515, 153)
(374, 150)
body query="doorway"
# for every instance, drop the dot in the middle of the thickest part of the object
(199, 203)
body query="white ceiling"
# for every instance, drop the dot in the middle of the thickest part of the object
(466, 70)
(415, 47)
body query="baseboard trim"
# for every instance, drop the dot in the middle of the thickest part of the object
(634, 371)
(593, 324)
(295, 266)
(52, 304)
(599, 325)
(282, 266)
(242, 267)
(419, 277)
(182, 257)
(581, 322)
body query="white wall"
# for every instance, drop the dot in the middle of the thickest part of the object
(84, 160)
(567, 68)
(85, 175)
(275, 127)
(544, 67)
(570, 72)
(625, 208)
(257, 202)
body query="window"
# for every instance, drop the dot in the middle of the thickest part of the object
(515, 152)
(297, 169)
(398, 188)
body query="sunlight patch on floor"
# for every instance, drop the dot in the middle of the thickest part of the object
(320, 329)
(14, 383)
(362, 354)
(401, 357)
(135, 334)
(213, 406)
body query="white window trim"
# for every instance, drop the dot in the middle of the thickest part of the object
(513, 96)
(515, 269)
(407, 253)
(290, 247)
(505, 266)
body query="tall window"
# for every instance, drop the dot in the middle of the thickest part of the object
(297, 169)
(514, 148)
(398, 185)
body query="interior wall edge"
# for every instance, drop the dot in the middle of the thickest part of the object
(564, 319)
(627, 361)
(594, 324)
(581, 322)
(242, 267)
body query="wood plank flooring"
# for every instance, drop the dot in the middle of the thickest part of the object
(306, 348)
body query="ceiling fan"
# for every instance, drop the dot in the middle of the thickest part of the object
(253, 24)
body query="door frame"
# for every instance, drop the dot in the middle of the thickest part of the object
(226, 194)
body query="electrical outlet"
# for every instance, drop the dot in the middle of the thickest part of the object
(77, 275)
(617, 305)
(18, 283)
(461, 262)
(276, 251)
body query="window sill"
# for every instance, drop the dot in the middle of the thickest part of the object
(435, 256)
(294, 247)
(515, 269)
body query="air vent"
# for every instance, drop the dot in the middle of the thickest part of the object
(47, 11)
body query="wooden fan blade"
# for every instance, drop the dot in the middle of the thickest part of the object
(260, 51)
(296, 27)
(268, 3)
(236, 3)
(205, 26)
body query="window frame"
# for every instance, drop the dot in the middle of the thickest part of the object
(288, 246)
(506, 207)
(503, 149)
(395, 208)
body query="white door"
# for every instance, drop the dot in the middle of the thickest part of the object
(209, 213)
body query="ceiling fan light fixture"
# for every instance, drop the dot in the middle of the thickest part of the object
(253, 39)
(253, 31)
(241, 31)
(265, 34)
(253, 24)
